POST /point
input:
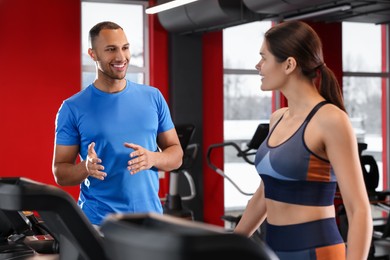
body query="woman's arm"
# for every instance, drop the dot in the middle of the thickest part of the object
(341, 148)
(254, 214)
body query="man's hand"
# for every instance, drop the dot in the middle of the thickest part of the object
(93, 163)
(141, 158)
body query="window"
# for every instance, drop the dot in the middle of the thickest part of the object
(362, 86)
(131, 17)
(245, 107)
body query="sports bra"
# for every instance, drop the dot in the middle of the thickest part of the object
(292, 173)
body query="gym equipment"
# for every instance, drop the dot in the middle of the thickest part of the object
(247, 154)
(380, 246)
(164, 237)
(10, 248)
(173, 200)
(154, 237)
(252, 146)
(21, 234)
(77, 238)
(379, 200)
(371, 175)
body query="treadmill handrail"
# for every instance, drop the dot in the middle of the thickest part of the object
(68, 224)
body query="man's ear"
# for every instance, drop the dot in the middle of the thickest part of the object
(291, 65)
(91, 53)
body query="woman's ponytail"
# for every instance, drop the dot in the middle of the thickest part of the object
(329, 87)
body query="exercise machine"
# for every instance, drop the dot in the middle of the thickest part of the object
(123, 236)
(22, 234)
(247, 155)
(164, 237)
(11, 233)
(379, 200)
(173, 202)
(75, 237)
(380, 203)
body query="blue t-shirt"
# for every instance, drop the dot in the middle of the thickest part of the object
(136, 115)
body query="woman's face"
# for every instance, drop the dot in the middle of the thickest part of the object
(271, 71)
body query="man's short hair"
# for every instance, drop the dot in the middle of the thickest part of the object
(95, 30)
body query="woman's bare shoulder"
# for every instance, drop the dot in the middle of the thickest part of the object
(332, 116)
(277, 114)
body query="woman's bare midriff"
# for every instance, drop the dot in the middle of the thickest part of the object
(280, 213)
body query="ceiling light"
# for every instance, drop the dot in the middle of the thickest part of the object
(167, 6)
(318, 13)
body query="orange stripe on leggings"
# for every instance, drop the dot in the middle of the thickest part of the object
(333, 252)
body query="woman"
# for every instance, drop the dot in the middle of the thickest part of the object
(311, 148)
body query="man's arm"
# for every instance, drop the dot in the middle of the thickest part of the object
(66, 170)
(170, 157)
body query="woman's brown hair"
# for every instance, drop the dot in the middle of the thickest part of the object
(298, 40)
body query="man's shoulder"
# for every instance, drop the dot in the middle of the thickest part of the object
(143, 87)
(77, 96)
(136, 84)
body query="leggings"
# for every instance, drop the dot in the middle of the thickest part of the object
(314, 240)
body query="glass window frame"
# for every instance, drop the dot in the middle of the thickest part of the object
(234, 199)
(384, 75)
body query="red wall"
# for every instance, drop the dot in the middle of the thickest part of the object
(213, 184)
(159, 72)
(40, 66)
(332, 46)
(158, 47)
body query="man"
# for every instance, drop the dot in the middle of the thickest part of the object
(122, 131)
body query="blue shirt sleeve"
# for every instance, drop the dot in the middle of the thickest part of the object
(66, 132)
